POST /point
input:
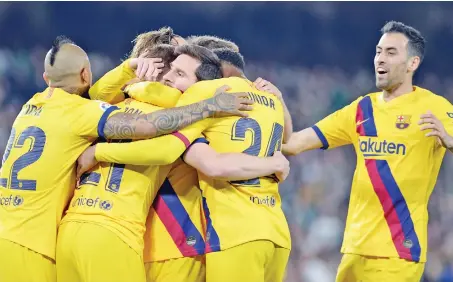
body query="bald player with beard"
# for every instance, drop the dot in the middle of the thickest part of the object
(53, 128)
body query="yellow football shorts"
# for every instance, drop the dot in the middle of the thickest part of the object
(177, 270)
(20, 264)
(360, 268)
(255, 261)
(91, 253)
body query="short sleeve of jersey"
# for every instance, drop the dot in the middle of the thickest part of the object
(201, 139)
(338, 128)
(89, 118)
(443, 110)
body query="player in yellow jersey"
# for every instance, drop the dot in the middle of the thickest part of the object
(38, 167)
(244, 218)
(139, 65)
(99, 219)
(386, 229)
(167, 256)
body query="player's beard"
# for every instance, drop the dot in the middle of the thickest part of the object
(383, 84)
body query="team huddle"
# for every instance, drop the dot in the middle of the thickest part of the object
(168, 167)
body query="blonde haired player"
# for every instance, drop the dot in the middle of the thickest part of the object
(138, 66)
(38, 168)
(247, 235)
(397, 165)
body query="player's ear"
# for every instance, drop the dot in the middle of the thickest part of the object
(46, 79)
(85, 76)
(413, 64)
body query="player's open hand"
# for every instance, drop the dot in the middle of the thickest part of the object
(147, 68)
(282, 165)
(429, 121)
(86, 161)
(231, 104)
(264, 85)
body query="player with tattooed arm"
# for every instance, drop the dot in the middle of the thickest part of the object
(38, 168)
(244, 218)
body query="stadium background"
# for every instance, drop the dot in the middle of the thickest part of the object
(320, 54)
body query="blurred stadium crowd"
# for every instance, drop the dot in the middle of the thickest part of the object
(316, 193)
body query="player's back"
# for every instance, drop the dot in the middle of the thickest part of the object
(118, 196)
(38, 170)
(243, 211)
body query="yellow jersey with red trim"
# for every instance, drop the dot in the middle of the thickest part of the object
(397, 168)
(236, 212)
(175, 225)
(37, 175)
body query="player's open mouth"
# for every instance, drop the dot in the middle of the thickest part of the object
(381, 71)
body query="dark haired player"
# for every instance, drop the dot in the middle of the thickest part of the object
(397, 165)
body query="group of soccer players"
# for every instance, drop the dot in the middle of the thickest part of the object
(167, 168)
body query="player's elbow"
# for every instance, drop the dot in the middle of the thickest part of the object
(289, 150)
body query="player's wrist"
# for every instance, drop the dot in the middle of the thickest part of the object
(97, 152)
(448, 141)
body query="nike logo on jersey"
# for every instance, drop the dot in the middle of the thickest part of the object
(361, 121)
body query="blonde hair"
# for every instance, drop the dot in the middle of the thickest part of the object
(147, 40)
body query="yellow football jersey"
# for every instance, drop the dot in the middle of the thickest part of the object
(38, 168)
(117, 196)
(397, 168)
(239, 211)
(175, 225)
(243, 211)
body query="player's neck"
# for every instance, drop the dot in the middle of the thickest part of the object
(398, 91)
(66, 86)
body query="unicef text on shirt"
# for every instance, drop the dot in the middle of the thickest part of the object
(11, 200)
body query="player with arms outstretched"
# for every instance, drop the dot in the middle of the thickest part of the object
(397, 165)
(244, 218)
(38, 168)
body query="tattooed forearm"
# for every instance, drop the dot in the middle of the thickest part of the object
(127, 126)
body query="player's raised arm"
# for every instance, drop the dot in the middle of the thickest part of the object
(109, 87)
(234, 166)
(335, 130)
(265, 85)
(127, 126)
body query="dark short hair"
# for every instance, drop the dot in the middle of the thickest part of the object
(56, 45)
(212, 42)
(164, 51)
(416, 44)
(231, 57)
(210, 67)
(147, 40)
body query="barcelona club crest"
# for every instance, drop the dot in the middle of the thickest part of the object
(403, 121)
